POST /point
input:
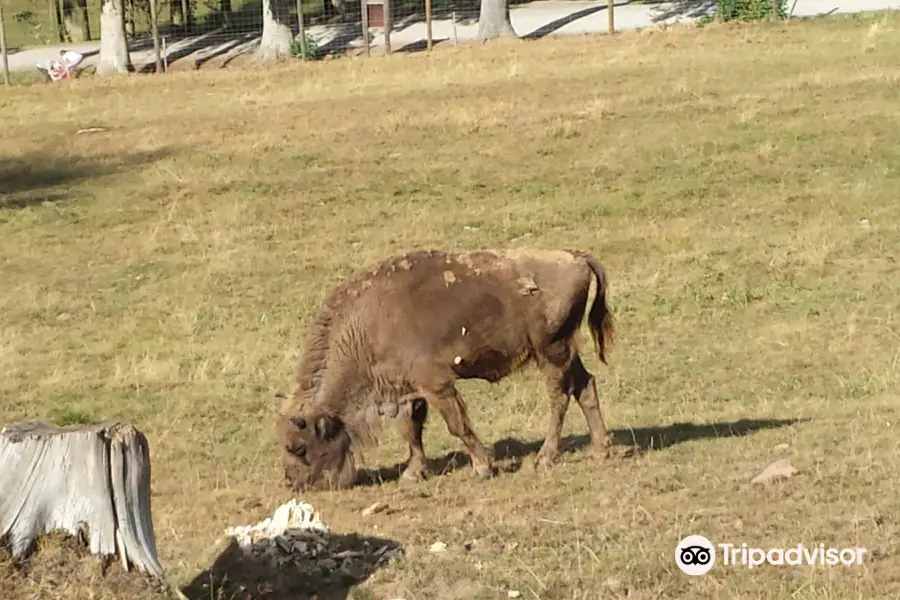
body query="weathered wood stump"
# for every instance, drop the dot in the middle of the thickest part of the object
(90, 481)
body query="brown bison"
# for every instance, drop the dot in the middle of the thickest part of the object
(393, 340)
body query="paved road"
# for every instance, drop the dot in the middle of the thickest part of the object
(532, 20)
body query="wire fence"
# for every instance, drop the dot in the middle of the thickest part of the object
(36, 22)
(221, 30)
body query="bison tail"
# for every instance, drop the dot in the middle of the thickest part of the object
(600, 319)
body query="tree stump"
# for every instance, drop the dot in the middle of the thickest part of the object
(90, 481)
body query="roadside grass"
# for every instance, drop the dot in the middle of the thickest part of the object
(162, 272)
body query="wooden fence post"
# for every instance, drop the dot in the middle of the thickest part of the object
(3, 56)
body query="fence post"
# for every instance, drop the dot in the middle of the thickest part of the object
(610, 13)
(429, 41)
(388, 25)
(365, 25)
(301, 29)
(3, 54)
(154, 31)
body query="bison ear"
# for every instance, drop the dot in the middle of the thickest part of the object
(328, 427)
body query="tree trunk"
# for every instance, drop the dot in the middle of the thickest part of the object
(181, 14)
(75, 19)
(176, 13)
(95, 477)
(114, 56)
(56, 15)
(129, 7)
(276, 34)
(493, 22)
(225, 12)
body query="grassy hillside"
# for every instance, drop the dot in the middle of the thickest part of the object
(163, 271)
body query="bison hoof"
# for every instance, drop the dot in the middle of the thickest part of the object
(546, 459)
(414, 474)
(483, 472)
(602, 448)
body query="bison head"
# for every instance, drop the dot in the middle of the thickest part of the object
(316, 452)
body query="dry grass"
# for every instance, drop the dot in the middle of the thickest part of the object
(162, 272)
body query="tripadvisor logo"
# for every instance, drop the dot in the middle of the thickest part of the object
(696, 555)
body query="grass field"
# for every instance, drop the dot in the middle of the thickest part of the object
(162, 272)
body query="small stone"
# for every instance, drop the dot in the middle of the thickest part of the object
(613, 585)
(780, 469)
(328, 564)
(284, 544)
(390, 553)
(513, 594)
(438, 547)
(457, 360)
(375, 508)
(348, 554)
(781, 447)
(464, 331)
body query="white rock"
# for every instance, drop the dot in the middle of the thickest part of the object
(374, 509)
(513, 594)
(780, 469)
(438, 547)
(290, 515)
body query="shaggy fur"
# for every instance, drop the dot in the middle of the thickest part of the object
(391, 342)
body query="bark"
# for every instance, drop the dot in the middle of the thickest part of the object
(71, 479)
(181, 13)
(276, 34)
(176, 13)
(75, 19)
(114, 56)
(56, 15)
(225, 12)
(493, 22)
(129, 18)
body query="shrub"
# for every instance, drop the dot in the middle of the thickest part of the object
(748, 10)
(298, 51)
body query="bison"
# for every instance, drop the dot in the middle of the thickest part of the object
(392, 341)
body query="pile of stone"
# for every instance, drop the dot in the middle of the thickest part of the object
(295, 535)
(290, 519)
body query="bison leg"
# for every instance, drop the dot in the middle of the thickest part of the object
(566, 375)
(585, 391)
(411, 429)
(453, 410)
(559, 386)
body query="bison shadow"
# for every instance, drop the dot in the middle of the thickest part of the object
(236, 575)
(512, 452)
